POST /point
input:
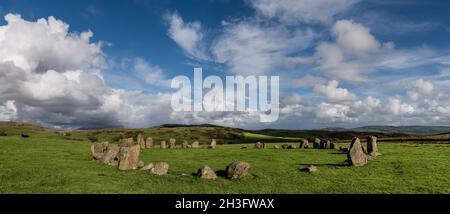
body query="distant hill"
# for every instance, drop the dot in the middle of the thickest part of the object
(422, 130)
(21, 125)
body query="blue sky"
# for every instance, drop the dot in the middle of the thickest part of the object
(341, 63)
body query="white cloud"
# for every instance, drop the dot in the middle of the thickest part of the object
(188, 35)
(335, 113)
(302, 11)
(51, 76)
(333, 93)
(354, 38)
(352, 55)
(396, 107)
(423, 87)
(8, 111)
(249, 47)
(152, 75)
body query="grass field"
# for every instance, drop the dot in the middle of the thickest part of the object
(48, 163)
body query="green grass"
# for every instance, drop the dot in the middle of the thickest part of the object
(254, 136)
(47, 163)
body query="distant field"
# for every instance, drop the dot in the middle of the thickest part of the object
(49, 163)
(262, 137)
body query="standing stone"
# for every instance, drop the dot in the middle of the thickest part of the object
(372, 147)
(356, 155)
(237, 170)
(140, 141)
(129, 157)
(213, 144)
(259, 145)
(333, 146)
(304, 144)
(316, 143)
(163, 144)
(324, 144)
(149, 143)
(126, 142)
(98, 149)
(160, 168)
(205, 172)
(195, 145)
(172, 143)
(185, 145)
(111, 156)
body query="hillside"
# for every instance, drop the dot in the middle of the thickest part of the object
(423, 130)
(341, 135)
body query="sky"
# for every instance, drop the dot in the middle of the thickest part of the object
(342, 63)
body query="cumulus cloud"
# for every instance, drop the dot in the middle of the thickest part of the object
(302, 11)
(54, 77)
(152, 75)
(249, 47)
(335, 113)
(352, 54)
(423, 87)
(396, 107)
(333, 93)
(8, 111)
(188, 35)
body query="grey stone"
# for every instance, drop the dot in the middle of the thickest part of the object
(172, 143)
(129, 157)
(111, 156)
(356, 155)
(149, 143)
(205, 172)
(237, 170)
(140, 141)
(160, 168)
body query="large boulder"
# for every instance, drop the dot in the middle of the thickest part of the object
(160, 168)
(259, 145)
(316, 143)
(356, 155)
(163, 144)
(304, 144)
(172, 143)
(237, 170)
(111, 156)
(149, 143)
(205, 172)
(127, 142)
(129, 157)
(98, 149)
(372, 147)
(140, 141)
(195, 145)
